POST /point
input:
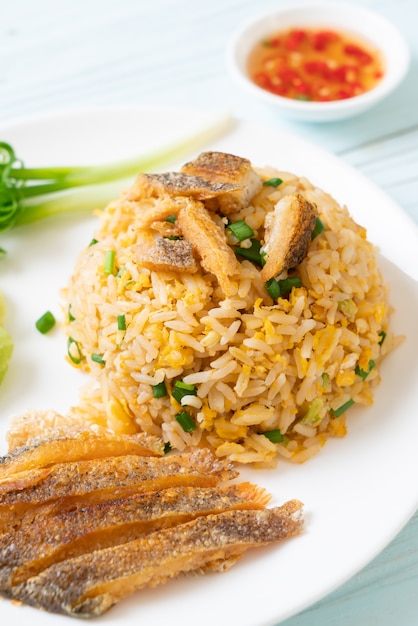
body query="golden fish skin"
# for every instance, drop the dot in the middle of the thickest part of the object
(88, 585)
(209, 242)
(288, 234)
(83, 445)
(228, 169)
(82, 483)
(27, 552)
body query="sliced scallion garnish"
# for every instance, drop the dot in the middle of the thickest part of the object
(74, 351)
(275, 436)
(45, 322)
(171, 219)
(364, 373)
(241, 230)
(273, 288)
(182, 389)
(71, 317)
(98, 358)
(343, 408)
(272, 182)
(92, 242)
(159, 390)
(287, 284)
(185, 421)
(167, 447)
(251, 254)
(382, 336)
(121, 322)
(318, 228)
(109, 262)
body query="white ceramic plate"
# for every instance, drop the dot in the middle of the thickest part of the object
(358, 492)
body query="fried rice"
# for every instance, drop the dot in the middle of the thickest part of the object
(261, 378)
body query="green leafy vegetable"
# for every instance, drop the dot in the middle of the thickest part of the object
(31, 194)
(45, 323)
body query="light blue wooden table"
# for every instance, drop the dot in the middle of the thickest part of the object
(81, 53)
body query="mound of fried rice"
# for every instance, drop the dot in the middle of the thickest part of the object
(272, 378)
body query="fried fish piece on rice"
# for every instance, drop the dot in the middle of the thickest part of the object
(255, 374)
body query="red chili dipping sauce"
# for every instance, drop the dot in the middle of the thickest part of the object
(318, 65)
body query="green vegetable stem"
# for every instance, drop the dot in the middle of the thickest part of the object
(31, 194)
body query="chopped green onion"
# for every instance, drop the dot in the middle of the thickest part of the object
(342, 409)
(241, 230)
(185, 421)
(318, 229)
(92, 242)
(251, 254)
(167, 447)
(182, 389)
(31, 194)
(121, 322)
(98, 358)
(71, 317)
(159, 390)
(364, 373)
(273, 182)
(273, 288)
(174, 237)
(382, 336)
(325, 380)
(313, 415)
(109, 262)
(171, 219)
(45, 322)
(275, 436)
(120, 272)
(287, 284)
(78, 356)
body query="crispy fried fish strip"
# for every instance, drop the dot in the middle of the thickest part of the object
(209, 241)
(80, 446)
(90, 584)
(226, 168)
(288, 234)
(82, 483)
(168, 255)
(179, 184)
(27, 552)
